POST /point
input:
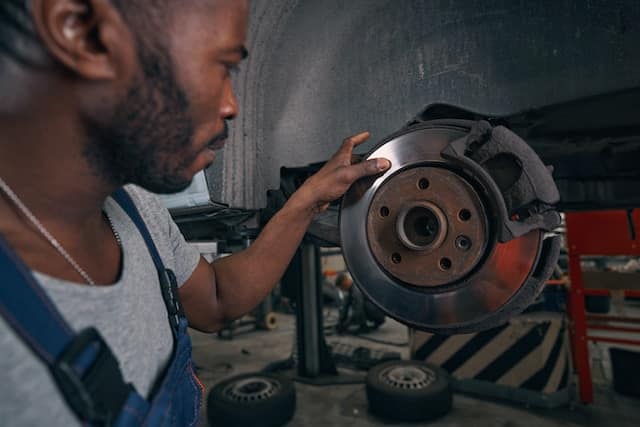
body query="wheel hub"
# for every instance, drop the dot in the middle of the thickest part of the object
(408, 377)
(426, 226)
(251, 389)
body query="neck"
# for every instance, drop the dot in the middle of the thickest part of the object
(42, 141)
(42, 161)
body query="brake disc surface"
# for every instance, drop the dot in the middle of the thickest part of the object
(451, 238)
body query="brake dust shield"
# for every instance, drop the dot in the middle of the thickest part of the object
(453, 238)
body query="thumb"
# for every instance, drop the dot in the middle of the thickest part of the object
(371, 167)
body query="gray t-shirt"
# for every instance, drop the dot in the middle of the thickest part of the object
(130, 315)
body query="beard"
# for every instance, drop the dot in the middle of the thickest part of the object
(146, 140)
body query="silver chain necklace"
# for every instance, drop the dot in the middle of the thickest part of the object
(52, 240)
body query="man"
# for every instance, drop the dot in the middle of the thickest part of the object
(97, 94)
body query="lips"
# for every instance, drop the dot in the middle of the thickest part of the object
(218, 141)
(218, 144)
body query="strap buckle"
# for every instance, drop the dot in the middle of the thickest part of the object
(89, 377)
(169, 287)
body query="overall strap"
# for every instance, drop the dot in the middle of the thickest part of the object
(28, 310)
(83, 366)
(168, 283)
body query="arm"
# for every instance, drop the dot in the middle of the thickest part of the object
(232, 286)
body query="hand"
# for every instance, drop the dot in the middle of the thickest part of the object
(338, 174)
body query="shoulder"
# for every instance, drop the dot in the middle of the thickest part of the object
(154, 213)
(175, 252)
(144, 199)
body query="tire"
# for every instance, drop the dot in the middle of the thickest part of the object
(248, 400)
(407, 390)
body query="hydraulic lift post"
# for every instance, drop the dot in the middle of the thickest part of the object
(314, 358)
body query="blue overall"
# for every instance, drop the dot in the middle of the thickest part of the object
(86, 372)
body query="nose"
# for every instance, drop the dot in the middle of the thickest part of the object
(229, 107)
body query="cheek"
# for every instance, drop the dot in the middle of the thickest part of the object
(205, 107)
(205, 85)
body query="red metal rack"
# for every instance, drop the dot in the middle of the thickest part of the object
(607, 233)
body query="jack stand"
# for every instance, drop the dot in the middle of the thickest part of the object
(314, 358)
(315, 364)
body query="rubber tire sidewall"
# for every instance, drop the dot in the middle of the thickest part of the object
(272, 412)
(398, 404)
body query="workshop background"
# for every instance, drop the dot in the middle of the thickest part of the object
(563, 76)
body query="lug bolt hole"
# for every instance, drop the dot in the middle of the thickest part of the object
(384, 211)
(396, 258)
(464, 215)
(463, 243)
(445, 263)
(423, 184)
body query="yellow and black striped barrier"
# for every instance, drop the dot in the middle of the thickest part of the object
(527, 360)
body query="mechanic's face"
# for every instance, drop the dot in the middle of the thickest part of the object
(172, 119)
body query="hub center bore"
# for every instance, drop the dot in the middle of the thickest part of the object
(421, 226)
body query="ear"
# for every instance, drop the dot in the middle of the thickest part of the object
(89, 37)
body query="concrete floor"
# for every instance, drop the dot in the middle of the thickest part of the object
(346, 405)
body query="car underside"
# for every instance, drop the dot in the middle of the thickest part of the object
(558, 77)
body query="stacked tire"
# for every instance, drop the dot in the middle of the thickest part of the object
(408, 390)
(249, 400)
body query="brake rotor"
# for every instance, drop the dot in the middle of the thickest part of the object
(451, 239)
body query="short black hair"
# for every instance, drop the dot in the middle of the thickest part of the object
(19, 40)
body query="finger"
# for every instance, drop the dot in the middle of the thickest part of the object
(354, 141)
(360, 138)
(367, 168)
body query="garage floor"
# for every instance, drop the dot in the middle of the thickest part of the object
(345, 405)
